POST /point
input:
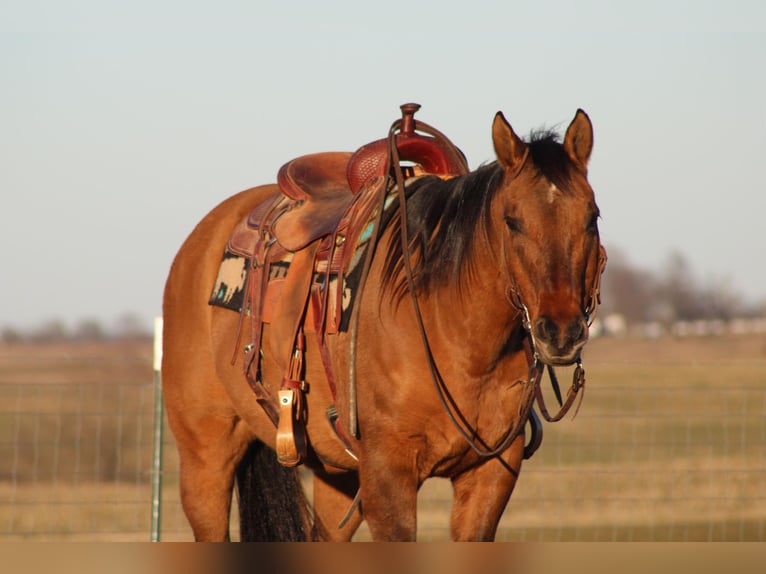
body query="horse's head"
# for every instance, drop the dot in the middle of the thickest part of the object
(553, 255)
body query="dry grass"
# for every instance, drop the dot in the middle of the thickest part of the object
(668, 446)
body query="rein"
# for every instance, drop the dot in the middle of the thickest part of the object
(469, 433)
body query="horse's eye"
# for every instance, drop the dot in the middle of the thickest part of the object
(514, 224)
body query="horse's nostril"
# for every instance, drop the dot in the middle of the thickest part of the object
(577, 330)
(546, 329)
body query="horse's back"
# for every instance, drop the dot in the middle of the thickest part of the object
(196, 264)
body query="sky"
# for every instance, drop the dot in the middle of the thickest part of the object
(123, 123)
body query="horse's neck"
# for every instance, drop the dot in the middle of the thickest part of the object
(480, 319)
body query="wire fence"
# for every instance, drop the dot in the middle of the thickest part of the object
(669, 445)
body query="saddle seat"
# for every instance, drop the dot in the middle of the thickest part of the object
(320, 194)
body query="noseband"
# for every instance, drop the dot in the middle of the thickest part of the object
(533, 359)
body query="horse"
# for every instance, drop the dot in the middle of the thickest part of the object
(474, 284)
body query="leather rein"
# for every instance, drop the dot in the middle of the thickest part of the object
(531, 386)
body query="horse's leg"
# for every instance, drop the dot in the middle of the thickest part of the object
(389, 488)
(333, 496)
(210, 437)
(209, 448)
(482, 493)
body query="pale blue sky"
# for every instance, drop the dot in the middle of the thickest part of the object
(123, 123)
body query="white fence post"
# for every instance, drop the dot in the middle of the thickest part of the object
(158, 414)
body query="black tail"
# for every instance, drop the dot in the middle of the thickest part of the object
(272, 504)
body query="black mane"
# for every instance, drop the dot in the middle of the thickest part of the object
(443, 217)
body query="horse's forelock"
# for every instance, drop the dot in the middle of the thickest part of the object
(550, 159)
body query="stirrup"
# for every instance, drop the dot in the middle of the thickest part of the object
(291, 431)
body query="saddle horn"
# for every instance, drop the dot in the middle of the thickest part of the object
(430, 149)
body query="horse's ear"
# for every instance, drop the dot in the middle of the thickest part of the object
(509, 148)
(578, 141)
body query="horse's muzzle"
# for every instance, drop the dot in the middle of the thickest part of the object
(557, 343)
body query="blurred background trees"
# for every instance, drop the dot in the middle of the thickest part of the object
(126, 327)
(671, 295)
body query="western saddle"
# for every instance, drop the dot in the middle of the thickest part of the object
(325, 201)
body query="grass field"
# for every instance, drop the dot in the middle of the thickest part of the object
(669, 445)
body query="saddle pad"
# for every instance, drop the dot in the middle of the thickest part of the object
(229, 287)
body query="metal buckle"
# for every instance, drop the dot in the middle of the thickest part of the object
(578, 378)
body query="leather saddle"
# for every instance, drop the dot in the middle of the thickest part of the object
(317, 189)
(323, 199)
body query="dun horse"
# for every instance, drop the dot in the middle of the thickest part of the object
(379, 322)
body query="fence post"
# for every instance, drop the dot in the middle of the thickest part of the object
(158, 414)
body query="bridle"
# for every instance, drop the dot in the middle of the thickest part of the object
(531, 387)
